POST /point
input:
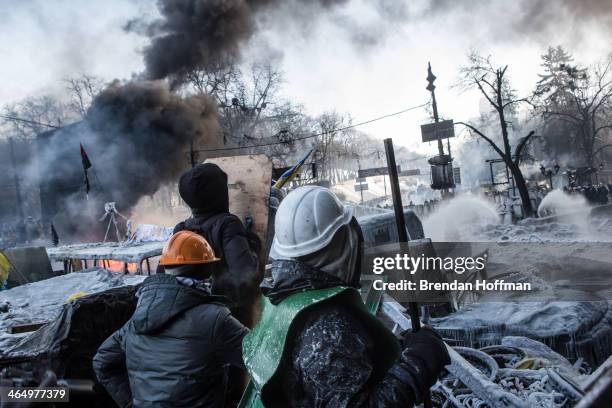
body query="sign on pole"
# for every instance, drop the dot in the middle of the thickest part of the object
(361, 187)
(411, 172)
(457, 175)
(440, 130)
(375, 171)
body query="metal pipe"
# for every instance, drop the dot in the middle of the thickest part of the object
(402, 235)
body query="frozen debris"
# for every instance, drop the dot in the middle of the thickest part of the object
(118, 251)
(42, 301)
(490, 377)
(150, 233)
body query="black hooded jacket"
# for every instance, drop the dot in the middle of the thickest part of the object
(204, 188)
(173, 350)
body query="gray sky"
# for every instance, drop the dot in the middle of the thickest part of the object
(368, 58)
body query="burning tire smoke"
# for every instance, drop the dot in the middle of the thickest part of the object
(146, 130)
(198, 34)
(136, 135)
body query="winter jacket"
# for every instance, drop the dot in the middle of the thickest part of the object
(236, 276)
(174, 350)
(331, 363)
(204, 189)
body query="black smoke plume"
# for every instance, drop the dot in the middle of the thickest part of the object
(136, 136)
(196, 34)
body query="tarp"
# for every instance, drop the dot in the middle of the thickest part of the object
(27, 264)
(5, 267)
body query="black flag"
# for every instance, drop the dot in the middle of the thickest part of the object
(54, 236)
(85, 159)
(86, 165)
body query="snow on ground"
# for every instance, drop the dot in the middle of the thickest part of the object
(415, 190)
(472, 218)
(42, 301)
(567, 258)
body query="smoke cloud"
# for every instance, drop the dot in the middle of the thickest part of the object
(525, 18)
(146, 130)
(196, 34)
(136, 135)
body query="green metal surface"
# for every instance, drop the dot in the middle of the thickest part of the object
(263, 347)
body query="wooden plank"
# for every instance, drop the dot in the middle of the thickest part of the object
(25, 328)
(249, 178)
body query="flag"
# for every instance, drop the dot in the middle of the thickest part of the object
(290, 174)
(86, 165)
(87, 186)
(85, 159)
(54, 236)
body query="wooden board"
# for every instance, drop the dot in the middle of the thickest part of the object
(249, 178)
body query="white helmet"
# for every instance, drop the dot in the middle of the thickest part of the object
(306, 221)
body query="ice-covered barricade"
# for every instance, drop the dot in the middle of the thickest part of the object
(41, 302)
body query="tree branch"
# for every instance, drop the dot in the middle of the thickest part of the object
(521, 146)
(482, 135)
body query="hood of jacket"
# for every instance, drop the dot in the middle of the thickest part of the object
(161, 299)
(204, 188)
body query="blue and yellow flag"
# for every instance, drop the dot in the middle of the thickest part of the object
(290, 174)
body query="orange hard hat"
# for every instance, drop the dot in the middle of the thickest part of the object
(187, 248)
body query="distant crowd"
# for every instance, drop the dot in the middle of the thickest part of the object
(594, 194)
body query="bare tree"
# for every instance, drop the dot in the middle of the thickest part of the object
(33, 115)
(82, 89)
(586, 106)
(335, 145)
(493, 83)
(244, 100)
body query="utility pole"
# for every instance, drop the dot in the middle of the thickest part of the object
(448, 160)
(432, 88)
(403, 238)
(16, 177)
(361, 189)
(192, 154)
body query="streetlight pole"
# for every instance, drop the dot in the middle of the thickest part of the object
(434, 104)
(549, 173)
(361, 187)
(446, 161)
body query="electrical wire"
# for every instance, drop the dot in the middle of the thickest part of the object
(30, 122)
(310, 136)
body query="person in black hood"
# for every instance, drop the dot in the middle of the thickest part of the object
(176, 348)
(204, 189)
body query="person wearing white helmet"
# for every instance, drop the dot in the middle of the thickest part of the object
(316, 345)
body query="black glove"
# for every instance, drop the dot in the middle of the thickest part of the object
(424, 357)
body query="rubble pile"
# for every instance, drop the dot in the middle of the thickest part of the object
(523, 368)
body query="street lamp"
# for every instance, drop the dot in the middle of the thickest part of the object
(550, 173)
(600, 168)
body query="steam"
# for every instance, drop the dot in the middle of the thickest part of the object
(460, 219)
(558, 202)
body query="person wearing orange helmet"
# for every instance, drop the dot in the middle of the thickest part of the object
(174, 351)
